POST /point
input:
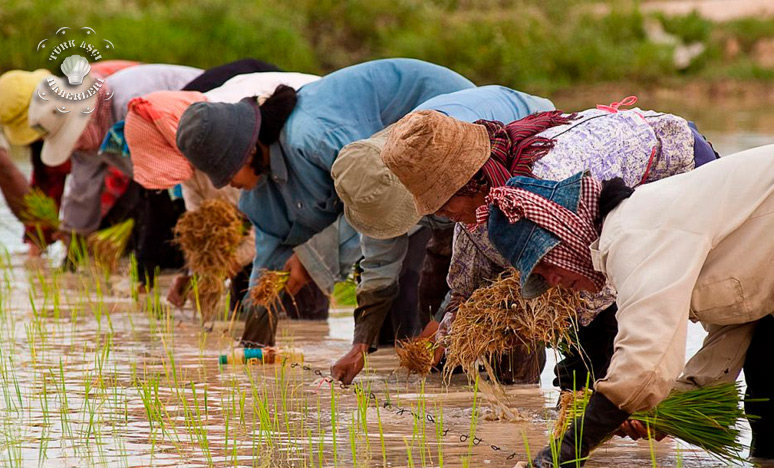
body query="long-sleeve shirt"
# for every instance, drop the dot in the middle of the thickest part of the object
(81, 201)
(673, 257)
(639, 146)
(297, 200)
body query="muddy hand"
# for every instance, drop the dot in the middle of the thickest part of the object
(298, 275)
(176, 293)
(347, 368)
(636, 430)
(522, 465)
(430, 332)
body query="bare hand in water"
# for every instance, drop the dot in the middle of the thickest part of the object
(347, 368)
(176, 293)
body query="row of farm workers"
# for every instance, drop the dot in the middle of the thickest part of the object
(431, 186)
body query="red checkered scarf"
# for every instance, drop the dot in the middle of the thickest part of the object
(576, 231)
(515, 146)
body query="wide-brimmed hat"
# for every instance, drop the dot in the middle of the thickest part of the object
(218, 138)
(376, 203)
(16, 90)
(434, 156)
(61, 131)
(524, 243)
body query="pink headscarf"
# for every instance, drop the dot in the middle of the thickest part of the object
(150, 131)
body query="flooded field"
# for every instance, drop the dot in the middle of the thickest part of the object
(92, 376)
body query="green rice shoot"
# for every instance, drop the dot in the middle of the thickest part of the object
(707, 417)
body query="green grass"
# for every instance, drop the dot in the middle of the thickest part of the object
(536, 46)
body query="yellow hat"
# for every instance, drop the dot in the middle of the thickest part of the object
(16, 89)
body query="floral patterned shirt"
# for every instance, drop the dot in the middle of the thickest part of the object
(638, 146)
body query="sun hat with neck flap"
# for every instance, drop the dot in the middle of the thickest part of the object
(376, 203)
(435, 155)
(218, 138)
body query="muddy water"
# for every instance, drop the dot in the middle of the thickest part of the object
(89, 377)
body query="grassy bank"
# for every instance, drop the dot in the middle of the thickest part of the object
(538, 46)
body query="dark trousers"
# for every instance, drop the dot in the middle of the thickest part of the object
(157, 216)
(588, 358)
(261, 326)
(759, 375)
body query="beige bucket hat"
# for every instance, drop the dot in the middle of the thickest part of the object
(376, 203)
(61, 130)
(434, 156)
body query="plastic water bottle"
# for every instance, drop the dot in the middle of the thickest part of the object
(262, 355)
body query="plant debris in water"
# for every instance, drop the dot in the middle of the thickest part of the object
(707, 417)
(209, 237)
(416, 355)
(108, 245)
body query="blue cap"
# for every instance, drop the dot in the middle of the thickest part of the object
(524, 243)
(217, 138)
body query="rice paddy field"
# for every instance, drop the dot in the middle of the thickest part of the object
(94, 375)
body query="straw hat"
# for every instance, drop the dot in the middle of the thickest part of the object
(376, 203)
(434, 156)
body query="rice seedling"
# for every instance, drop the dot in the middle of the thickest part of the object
(108, 245)
(209, 237)
(267, 292)
(707, 417)
(41, 211)
(496, 318)
(416, 355)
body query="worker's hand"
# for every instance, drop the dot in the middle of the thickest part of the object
(522, 465)
(298, 275)
(176, 292)
(637, 430)
(444, 327)
(430, 333)
(347, 368)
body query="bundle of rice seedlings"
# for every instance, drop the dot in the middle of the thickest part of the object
(345, 293)
(209, 237)
(416, 355)
(108, 245)
(496, 318)
(40, 211)
(207, 290)
(707, 417)
(268, 290)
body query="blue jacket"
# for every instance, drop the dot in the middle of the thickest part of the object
(297, 199)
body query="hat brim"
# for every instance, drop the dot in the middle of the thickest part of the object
(58, 146)
(395, 223)
(21, 134)
(535, 286)
(475, 150)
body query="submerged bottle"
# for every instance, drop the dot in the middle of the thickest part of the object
(262, 356)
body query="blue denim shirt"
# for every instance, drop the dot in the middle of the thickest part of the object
(297, 199)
